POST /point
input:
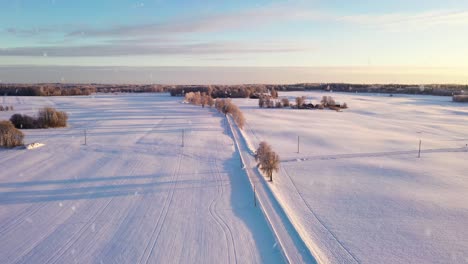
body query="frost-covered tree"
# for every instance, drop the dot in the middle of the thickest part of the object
(268, 160)
(300, 101)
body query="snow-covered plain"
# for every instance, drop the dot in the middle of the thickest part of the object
(133, 194)
(357, 192)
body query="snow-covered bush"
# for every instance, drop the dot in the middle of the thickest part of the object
(24, 121)
(10, 136)
(460, 98)
(50, 117)
(46, 117)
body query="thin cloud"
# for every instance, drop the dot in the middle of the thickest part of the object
(170, 49)
(256, 19)
(409, 21)
(28, 32)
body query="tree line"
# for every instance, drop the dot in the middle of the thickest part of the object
(58, 89)
(225, 91)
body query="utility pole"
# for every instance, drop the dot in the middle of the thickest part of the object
(85, 137)
(297, 144)
(419, 152)
(183, 135)
(255, 196)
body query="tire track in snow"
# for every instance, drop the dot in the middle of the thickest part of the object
(28, 211)
(375, 154)
(77, 235)
(318, 219)
(162, 217)
(213, 212)
(148, 133)
(215, 216)
(101, 162)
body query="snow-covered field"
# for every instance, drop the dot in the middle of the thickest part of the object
(133, 194)
(357, 192)
(160, 182)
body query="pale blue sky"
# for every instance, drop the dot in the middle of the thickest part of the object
(411, 33)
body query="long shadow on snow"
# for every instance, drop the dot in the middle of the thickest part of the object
(242, 202)
(68, 192)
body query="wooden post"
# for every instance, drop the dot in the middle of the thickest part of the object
(419, 152)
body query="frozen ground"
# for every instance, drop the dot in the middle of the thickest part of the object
(133, 194)
(356, 192)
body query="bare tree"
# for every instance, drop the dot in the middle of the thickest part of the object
(328, 101)
(261, 102)
(285, 102)
(210, 101)
(274, 93)
(203, 100)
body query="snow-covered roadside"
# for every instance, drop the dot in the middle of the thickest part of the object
(292, 246)
(357, 191)
(316, 237)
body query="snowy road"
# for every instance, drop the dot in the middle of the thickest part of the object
(133, 194)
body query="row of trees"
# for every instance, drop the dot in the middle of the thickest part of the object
(222, 91)
(6, 108)
(198, 98)
(326, 102)
(10, 137)
(268, 161)
(47, 117)
(269, 102)
(226, 107)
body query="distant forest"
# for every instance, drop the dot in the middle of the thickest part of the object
(58, 89)
(224, 91)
